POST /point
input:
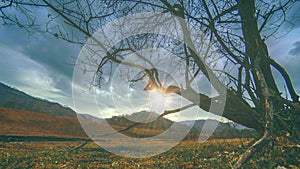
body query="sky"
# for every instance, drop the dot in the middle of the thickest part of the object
(43, 66)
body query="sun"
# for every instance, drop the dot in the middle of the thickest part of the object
(159, 101)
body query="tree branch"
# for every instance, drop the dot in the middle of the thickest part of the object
(287, 80)
(166, 112)
(251, 150)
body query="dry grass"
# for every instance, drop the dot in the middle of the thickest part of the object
(187, 154)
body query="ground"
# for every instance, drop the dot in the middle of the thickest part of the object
(188, 154)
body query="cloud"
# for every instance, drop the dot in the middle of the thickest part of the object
(26, 74)
(295, 51)
(41, 66)
(53, 53)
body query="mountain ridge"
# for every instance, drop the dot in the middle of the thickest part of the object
(41, 117)
(26, 123)
(13, 98)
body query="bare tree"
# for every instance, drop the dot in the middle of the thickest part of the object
(237, 28)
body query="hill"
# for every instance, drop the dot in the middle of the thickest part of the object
(198, 124)
(223, 130)
(151, 123)
(24, 115)
(25, 123)
(15, 99)
(153, 126)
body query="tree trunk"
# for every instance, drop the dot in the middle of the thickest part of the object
(235, 109)
(256, 49)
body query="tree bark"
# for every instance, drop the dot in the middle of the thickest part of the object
(255, 47)
(235, 108)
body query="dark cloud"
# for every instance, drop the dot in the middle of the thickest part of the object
(295, 51)
(53, 54)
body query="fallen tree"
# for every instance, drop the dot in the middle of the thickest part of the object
(238, 29)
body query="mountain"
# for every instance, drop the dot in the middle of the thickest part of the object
(198, 124)
(15, 99)
(223, 130)
(89, 117)
(20, 125)
(24, 115)
(26, 123)
(143, 130)
(151, 123)
(153, 126)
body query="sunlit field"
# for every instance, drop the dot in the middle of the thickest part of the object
(219, 153)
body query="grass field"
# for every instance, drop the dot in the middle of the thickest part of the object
(187, 154)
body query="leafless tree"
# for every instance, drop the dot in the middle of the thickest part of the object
(237, 28)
